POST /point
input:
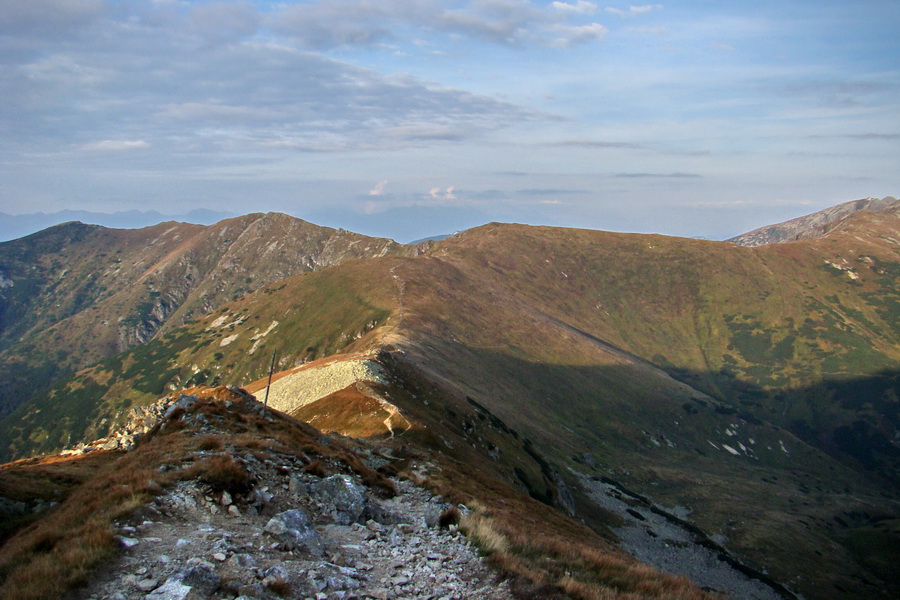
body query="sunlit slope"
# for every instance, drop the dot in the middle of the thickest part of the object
(804, 334)
(561, 335)
(75, 294)
(301, 318)
(816, 224)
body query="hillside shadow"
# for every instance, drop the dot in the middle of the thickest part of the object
(637, 427)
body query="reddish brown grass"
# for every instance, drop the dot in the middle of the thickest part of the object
(210, 442)
(221, 473)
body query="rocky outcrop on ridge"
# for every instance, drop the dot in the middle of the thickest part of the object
(290, 530)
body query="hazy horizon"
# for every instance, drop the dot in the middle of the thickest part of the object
(14, 226)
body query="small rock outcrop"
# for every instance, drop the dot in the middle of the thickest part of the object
(295, 532)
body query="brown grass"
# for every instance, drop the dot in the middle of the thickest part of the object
(528, 541)
(210, 442)
(315, 468)
(449, 517)
(59, 552)
(48, 558)
(221, 473)
(280, 587)
(481, 529)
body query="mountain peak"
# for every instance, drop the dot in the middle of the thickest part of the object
(815, 224)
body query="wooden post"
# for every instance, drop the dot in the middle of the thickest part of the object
(271, 370)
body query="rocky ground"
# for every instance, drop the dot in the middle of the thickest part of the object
(306, 385)
(653, 539)
(296, 535)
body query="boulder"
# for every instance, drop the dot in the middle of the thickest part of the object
(202, 578)
(344, 497)
(292, 528)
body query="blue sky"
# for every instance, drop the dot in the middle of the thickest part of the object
(410, 118)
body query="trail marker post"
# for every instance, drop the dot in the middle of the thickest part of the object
(269, 385)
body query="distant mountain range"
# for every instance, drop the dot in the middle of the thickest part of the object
(746, 394)
(16, 226)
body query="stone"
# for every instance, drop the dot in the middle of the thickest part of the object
(172, 589)
(345, 496)
(261, 497)
(376, 511)
(147, 585)
(276, 572)
(202, 577)
(374, 525)
(242, 560)
(127, 542)
(234, 511)
(292, 528)
(297, 487)
(432, 516)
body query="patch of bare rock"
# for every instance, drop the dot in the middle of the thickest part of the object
(294, 535)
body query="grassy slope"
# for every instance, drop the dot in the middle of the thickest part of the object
(559, 335)
(771, 331)
(318, 314)
(58, 552)
(81, 293)
(512, 315)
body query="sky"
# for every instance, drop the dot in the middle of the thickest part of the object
(413, 118)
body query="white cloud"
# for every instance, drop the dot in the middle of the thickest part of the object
(114, 145)
(53, 17)
(225, 21)
(324, 25)
(378, 190)
(435, 193)
(184, 93)
(633, 11)
(577, 34)
(579, 7)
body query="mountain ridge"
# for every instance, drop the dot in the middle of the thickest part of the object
(815, 224)
(750, 388)
(98, 291)
(16, 226)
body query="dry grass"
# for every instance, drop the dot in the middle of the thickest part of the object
(315, 468)
(210, 442)
(527, 540)
(450, 516)
(280, 587)
(50, 557)
(221, 473)
(59, 551)
(481, 529)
